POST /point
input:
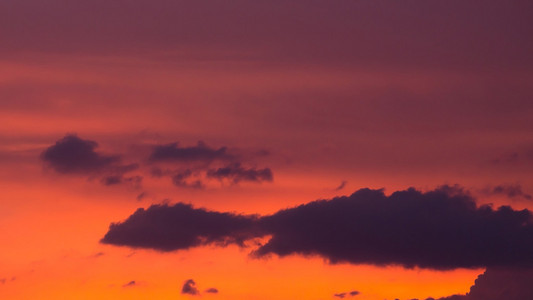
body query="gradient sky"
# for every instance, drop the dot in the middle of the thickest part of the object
(222, 119)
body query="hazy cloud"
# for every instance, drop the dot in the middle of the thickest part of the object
(510, 190)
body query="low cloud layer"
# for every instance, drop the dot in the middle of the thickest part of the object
(440, 229)
(167, 228)
(500, 284)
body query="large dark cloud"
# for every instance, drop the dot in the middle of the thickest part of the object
(180, 226)
(500, 284)
(237, 173)
(72, 154)
(199, 153)
(440, 229)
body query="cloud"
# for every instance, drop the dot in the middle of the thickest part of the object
(342, 185)
(212, 291)
(199, 153)
(500, 284)
(195, 166)
(120, 179)
(130, 284)
(141, 196)
(236, 173)
(339, 295)
(345, 294)
(511, 191)
(166, 228)
(72, 154)
(4, 280)
(189, 287)
(97, 254)
(440, 229)
(182, 179)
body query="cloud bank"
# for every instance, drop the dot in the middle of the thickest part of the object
(440, 229)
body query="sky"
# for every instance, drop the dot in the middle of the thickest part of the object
(266, 149)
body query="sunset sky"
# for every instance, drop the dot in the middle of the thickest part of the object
(168, 149)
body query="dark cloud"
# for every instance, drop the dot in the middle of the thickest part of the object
(199, 153)
(189, 287)
(440, 229)
(130, 284)
(346, 294)
(166, 228)
(511, 191)
(72, 154)
(237, 173)
(212, 291)
(198, 164)
(500, 284)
